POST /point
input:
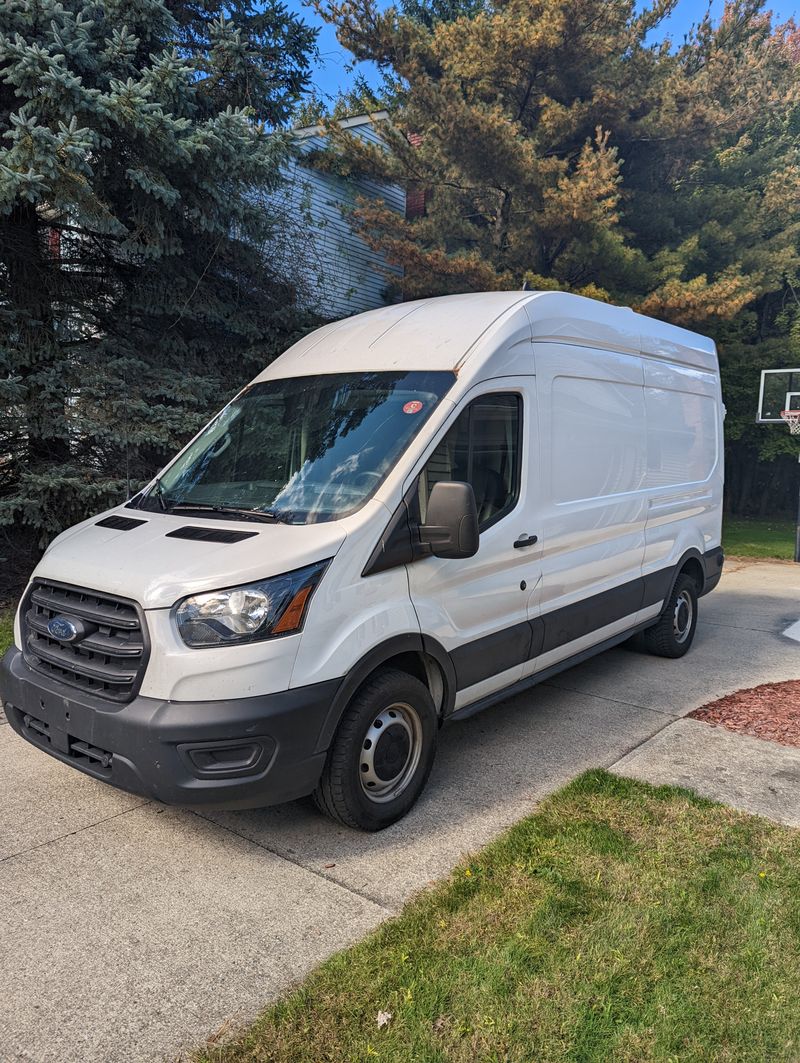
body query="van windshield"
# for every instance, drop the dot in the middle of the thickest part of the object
(303, 451)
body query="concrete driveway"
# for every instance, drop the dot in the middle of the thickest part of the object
(130, 931)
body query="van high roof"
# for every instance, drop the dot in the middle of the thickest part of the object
(442, 333)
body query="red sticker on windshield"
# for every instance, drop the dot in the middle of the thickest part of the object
(412, 407)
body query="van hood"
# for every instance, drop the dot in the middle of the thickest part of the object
(156, 570)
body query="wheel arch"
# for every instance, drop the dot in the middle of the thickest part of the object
(691, 564)
(418, 655)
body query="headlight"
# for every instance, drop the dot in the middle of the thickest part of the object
(250, 613)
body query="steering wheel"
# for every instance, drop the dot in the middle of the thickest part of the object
(349, 478)
(221, 446)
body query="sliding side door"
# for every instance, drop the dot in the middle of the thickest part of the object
(594, 508)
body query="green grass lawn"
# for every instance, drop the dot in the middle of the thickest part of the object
(618, 923)
(759, 538)
(6, 629)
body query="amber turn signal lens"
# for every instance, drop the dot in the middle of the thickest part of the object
(293, 616)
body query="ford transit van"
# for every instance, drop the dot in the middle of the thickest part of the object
(411, 514)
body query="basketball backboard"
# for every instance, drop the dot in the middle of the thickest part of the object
(780, 390)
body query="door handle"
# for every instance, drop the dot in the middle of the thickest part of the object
(525, 540)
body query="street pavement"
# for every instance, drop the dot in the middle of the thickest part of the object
(131, 932)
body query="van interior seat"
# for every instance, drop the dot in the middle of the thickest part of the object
(490, 491)
(490, 476)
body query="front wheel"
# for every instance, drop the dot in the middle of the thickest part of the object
(382, 753)
(673, 634)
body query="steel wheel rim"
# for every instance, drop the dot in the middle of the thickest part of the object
(390, 752)
(682, 617)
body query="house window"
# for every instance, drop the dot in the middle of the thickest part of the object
(483, 449)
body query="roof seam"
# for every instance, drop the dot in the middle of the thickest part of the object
(525, 297)
(389, 328)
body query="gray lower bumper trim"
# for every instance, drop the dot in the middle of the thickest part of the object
(241, 753)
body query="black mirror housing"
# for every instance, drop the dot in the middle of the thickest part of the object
(451, 528)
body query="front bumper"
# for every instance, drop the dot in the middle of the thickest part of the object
(238, 753)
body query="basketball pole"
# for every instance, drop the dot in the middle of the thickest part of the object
(783, 382)
(797, 525)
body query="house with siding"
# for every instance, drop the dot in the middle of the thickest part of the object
(338, 274)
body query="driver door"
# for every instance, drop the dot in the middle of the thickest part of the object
(478, 607)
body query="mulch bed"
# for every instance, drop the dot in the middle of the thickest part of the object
(771, 711)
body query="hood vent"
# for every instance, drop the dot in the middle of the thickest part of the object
(120, 523)
(210, 535)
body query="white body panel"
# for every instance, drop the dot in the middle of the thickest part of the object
(684, 467)
(621, 475)
(157, 571)
(592, 463)
(350, 614)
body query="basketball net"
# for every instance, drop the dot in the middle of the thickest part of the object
(792, 418)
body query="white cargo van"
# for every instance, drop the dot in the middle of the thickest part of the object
(411, 514)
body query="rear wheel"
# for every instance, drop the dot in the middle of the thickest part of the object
(673, 634)
(382, 753)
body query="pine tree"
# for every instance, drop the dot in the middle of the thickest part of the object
(714, 196)
(429, 12)
(135, 284)
(556, 144)
(504, 118)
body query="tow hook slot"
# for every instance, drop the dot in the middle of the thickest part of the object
(41, 728)
(83, 749)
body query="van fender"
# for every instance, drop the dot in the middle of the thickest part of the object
(371, 661)
(688, 555)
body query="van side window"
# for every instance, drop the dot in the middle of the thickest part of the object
(483, 449)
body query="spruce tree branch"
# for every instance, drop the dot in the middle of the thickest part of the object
(199, 281)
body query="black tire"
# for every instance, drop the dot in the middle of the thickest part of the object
(390, 723)
(674, 633)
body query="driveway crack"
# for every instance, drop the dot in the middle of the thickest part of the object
(739, 627)
(71, 833)
(614, 701)
(610, 765)
(284, 855)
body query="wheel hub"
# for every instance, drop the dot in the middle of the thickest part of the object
(682, 616)
(390, 752)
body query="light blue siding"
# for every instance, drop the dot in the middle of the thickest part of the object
(337, 273)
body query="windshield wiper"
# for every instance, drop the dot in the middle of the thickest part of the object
(266, 516)
(159, 493)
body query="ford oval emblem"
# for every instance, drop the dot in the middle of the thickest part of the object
(62, 628)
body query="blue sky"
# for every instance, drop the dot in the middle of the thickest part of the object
(331, 75)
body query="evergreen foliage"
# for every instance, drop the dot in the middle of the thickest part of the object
(429, 12)
(136, 294)
(557, 145)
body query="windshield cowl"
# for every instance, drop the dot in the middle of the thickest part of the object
(229, 512)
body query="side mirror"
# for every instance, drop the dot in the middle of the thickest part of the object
(451, 529)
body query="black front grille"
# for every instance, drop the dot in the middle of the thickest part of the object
(109, 656)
